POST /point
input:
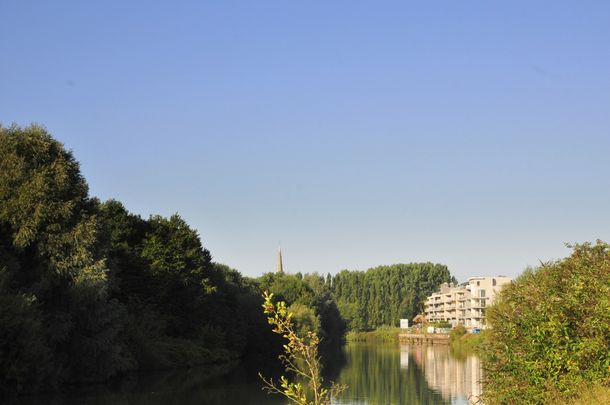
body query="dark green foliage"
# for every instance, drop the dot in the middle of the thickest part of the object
(550, 330)
(236, 310)
(88, 290)
(186, 309)
(25, 358)
(177, 265)
(332, 325)
(51, 255)
(385, 294)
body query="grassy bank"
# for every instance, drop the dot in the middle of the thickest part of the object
(461, 340)
(597, 394)
(383, 334)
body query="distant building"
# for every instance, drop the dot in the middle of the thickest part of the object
(280, 267)
(465, 303)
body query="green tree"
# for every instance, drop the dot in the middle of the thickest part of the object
(180, 267)
(304, 318)
(52, 258)
(382, 295)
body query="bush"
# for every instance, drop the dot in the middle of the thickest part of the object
(304, 318)
(441, 324)
(457, 332)
(550, 330)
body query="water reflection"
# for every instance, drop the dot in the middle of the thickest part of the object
(456, 377)
(377, 374)
(388, 374)
(383, 374)
(209, 385)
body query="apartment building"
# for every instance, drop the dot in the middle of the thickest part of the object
(465, 303)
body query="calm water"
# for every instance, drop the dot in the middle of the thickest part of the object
(388, 374)
(376, 375)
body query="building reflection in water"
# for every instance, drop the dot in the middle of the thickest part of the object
(452, 376)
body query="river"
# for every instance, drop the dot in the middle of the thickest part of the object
(377, 374)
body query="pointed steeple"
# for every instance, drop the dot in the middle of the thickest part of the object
(280, 268)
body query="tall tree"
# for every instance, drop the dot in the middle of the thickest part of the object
(52, 256)
(384, 294)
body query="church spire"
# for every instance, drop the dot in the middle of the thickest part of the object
(280, 268)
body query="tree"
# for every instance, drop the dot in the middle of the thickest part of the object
(180, 268)
(53, 261)
(300, 357)
(382, 295)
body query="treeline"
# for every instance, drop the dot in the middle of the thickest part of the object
(383, 295)
(89, 290)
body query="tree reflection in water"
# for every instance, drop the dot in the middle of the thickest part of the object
(377, 374)
(418, 375)
(206, 385)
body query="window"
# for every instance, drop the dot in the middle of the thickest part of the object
(478, 283)
(493, 282)
(482, 293)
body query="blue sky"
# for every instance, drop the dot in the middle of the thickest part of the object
(474, 134)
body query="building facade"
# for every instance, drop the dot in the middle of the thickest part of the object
(465, 303)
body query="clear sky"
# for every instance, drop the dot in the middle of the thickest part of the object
(470, 133)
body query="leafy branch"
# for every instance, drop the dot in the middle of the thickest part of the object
(300, 358)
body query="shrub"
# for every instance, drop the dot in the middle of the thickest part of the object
(550, 330)
(457, 332)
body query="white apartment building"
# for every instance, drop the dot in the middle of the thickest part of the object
(465, 303)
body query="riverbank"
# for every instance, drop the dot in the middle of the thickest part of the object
(384, 334)
(597, 394)
(461, 340)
